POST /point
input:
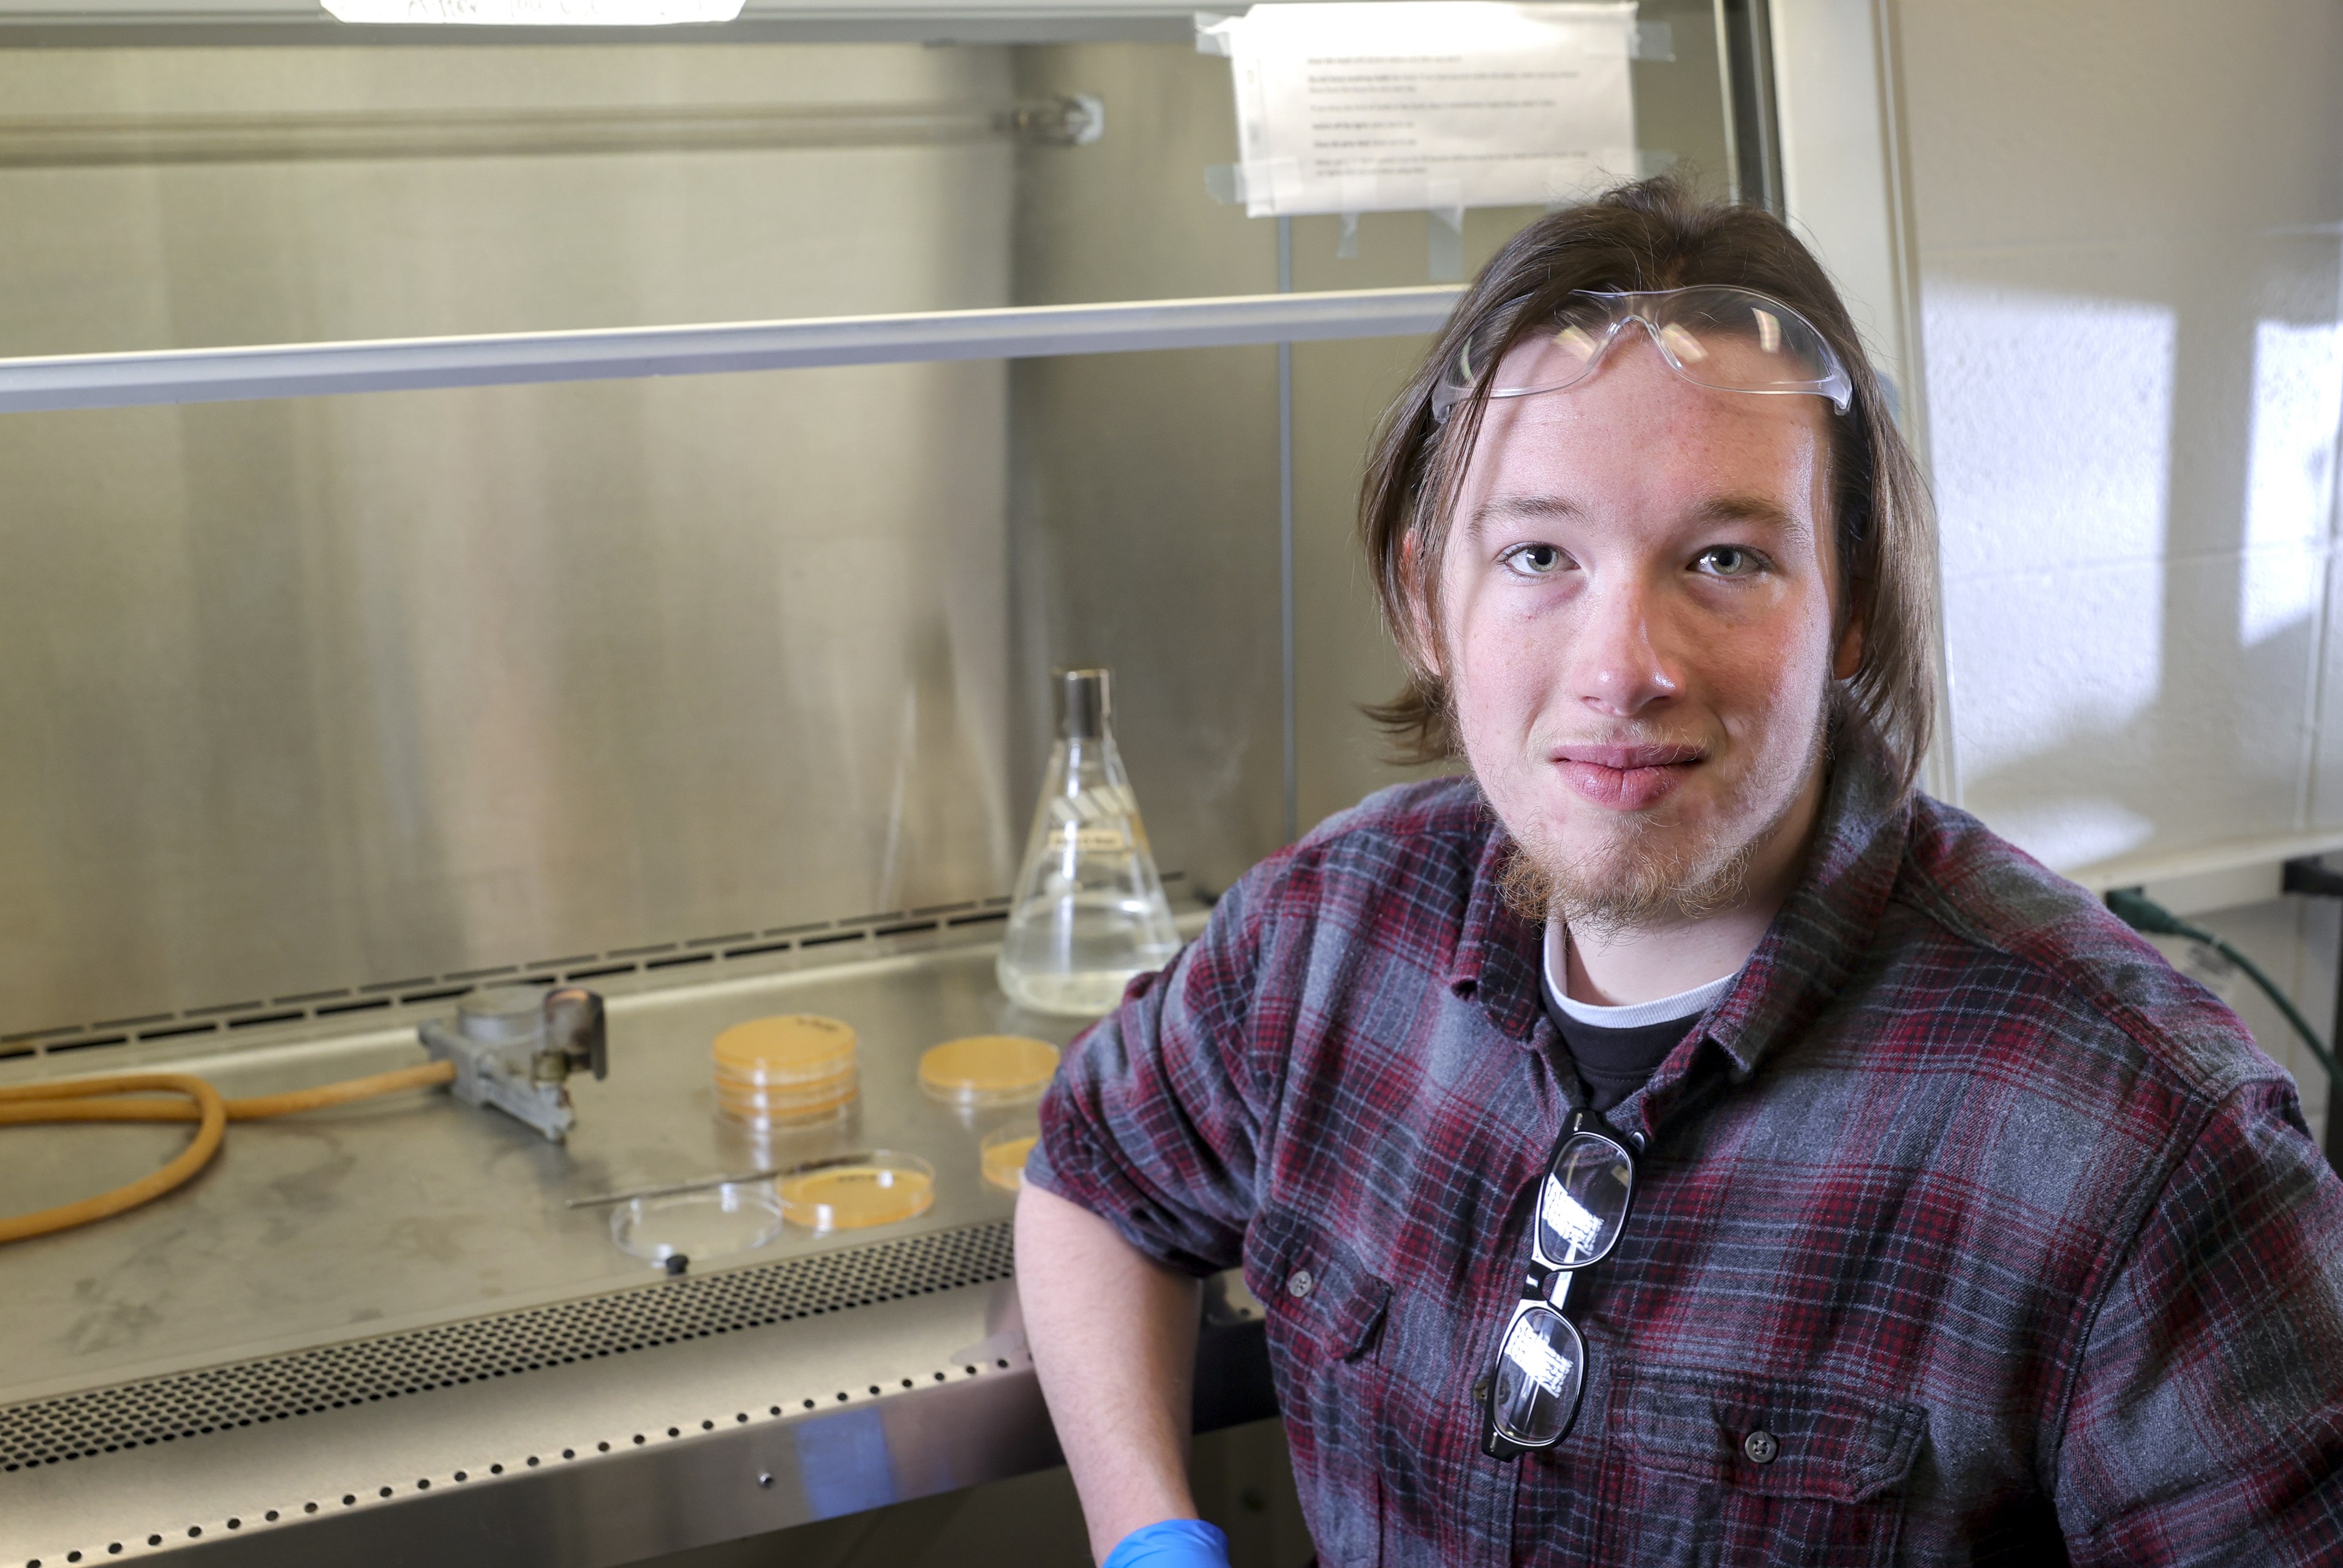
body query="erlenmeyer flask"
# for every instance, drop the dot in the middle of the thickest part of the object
(1089, 911)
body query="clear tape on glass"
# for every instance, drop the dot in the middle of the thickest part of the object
(1371, 107)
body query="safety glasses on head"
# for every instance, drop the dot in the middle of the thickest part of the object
(1726, 338)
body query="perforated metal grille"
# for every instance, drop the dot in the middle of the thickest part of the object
(193, 1404)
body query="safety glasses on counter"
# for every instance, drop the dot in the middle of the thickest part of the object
(1532, 1397)
(1729, 339)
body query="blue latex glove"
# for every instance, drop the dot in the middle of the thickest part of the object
(1170, 1544)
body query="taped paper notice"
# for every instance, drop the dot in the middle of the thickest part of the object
(1401, 105)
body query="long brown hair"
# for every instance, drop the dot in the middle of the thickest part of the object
(1655, 233)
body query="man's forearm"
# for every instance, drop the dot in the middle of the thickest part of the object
(1114, 1341)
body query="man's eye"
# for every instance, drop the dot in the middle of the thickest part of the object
(1729, 561)
(1534, 560)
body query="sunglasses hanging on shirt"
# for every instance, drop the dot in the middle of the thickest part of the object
(1533, 1394)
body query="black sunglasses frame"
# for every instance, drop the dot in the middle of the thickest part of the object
(1537, 1285)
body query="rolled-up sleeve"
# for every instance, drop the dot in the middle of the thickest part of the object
(1155, 1120)
(2207, 1420)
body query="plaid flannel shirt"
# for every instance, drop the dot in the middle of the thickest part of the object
(2002, 1230)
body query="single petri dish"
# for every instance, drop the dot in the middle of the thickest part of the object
(737, 1216)
(988, 1069)
(856, 1191)
(788, 1049)
(1001, 1157)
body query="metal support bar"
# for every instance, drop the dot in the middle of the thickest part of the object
(2307, 875)
(510, 359)
(1289, 714)
(100, 141)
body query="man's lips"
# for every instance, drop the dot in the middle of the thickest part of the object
(1626, 778)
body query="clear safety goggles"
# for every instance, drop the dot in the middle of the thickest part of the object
(1729, 339)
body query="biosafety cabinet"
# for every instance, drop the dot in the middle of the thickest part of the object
(596, 508)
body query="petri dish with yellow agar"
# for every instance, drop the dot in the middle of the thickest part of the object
(988, 1069)
(1002, 1156)
(857, 1191)
(786, 1070)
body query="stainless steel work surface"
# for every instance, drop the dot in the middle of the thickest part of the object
(413, 1210)
(381, 1323)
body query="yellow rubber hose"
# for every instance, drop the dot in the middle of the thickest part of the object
(95, 1099)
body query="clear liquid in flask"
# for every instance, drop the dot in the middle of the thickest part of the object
(1090, 912)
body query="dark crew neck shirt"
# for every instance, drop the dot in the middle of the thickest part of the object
(1613, 1063)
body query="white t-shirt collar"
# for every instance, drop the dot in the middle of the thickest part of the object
(1634, 1015)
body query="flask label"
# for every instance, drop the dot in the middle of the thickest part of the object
(1089, 840)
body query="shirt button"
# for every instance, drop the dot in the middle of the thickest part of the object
(1760, 1447)
(1299, 1283)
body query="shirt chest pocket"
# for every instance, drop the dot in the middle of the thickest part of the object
(1747, 1470)
(1324, 1302)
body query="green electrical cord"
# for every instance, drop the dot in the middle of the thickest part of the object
(2142, 913)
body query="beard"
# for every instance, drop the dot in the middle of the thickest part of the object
(1649, 876)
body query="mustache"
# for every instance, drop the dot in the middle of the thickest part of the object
(1658, 747)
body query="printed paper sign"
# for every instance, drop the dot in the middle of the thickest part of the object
(1428, 103)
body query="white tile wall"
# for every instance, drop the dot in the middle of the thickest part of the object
(2130, 226)
(2129, 216)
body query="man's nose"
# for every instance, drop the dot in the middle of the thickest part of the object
(1619, 667)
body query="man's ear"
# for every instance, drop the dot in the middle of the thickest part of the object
(1848, 658)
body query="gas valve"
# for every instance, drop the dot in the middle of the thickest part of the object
(514, 1046)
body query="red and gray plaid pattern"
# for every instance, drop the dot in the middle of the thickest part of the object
(1991, 1236)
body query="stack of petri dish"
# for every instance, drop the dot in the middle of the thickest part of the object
(787, 1070)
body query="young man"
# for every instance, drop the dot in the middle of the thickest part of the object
(1679, 1141)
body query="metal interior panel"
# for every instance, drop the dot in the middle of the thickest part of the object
(332, 693)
